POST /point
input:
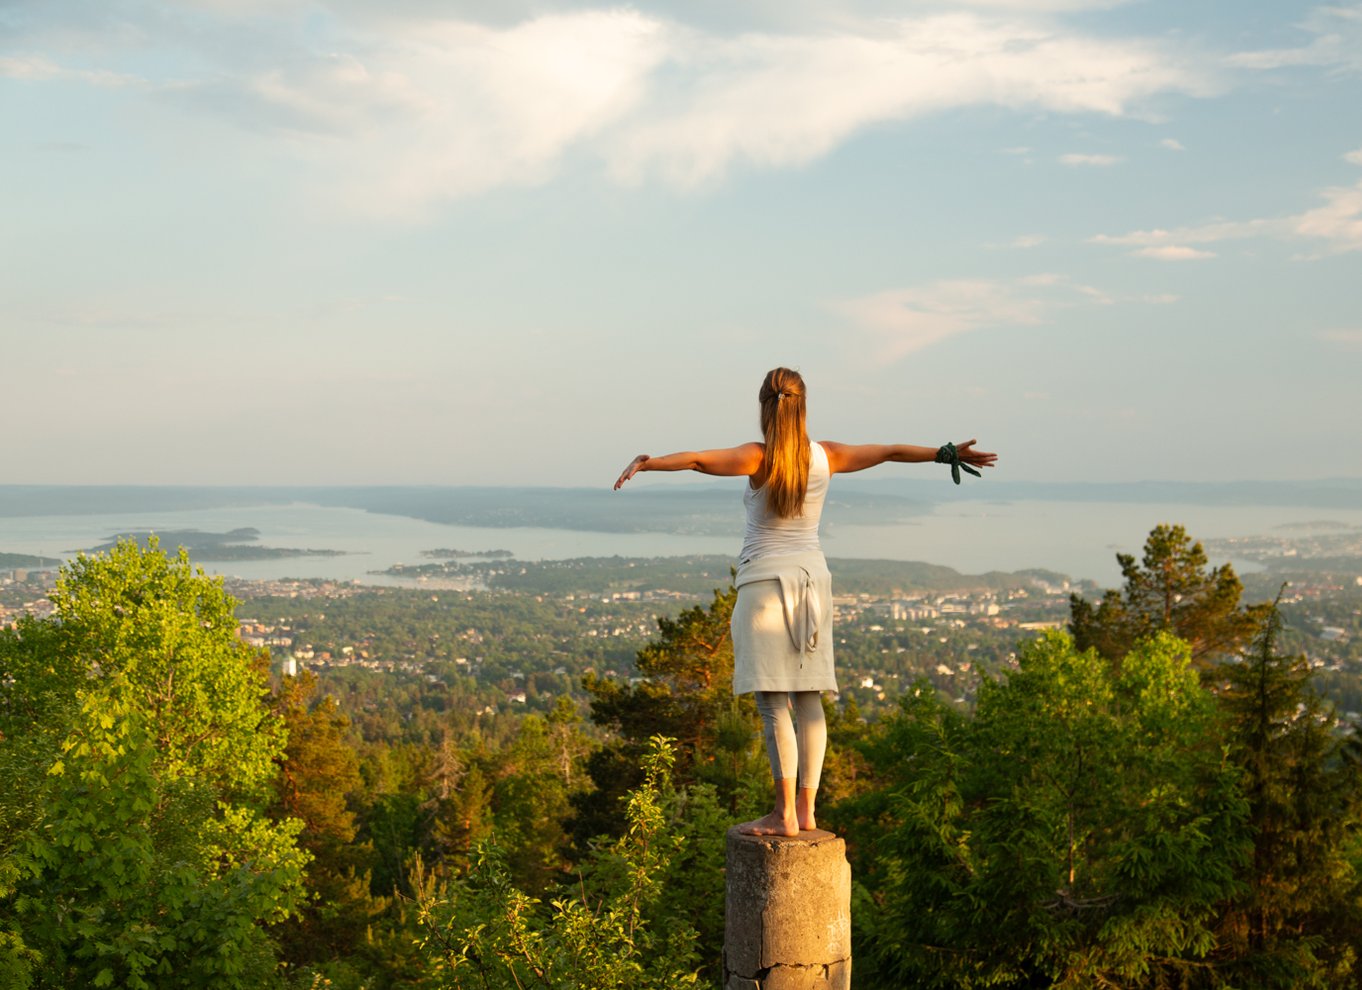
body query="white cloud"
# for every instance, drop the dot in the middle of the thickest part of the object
(1338, 223)
(28, 67)
(1354, 157)
(36, 68)
(1349, 339)
(1337, 42)
(907, 320)
(1022, 242)
(1174, 252)
(902, 321)
(406, 110)
(1052, 6)
(1100, 161)
(1208, 233)
(1172, 144)
(783, 100)
(464, 108)
(716, 15)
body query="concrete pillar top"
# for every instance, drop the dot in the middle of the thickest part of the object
(812, 837)
(788, 911)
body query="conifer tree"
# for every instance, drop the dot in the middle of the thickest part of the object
(687, 695)
(1299, 919)
(318, 776)
(1170, 590)
(461, 820)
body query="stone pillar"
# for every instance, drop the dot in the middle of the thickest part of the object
(787, 913)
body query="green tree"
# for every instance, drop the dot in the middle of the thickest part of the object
(687, 685)
(461, 819)
(485, 932)
(1078, 831)
(686, 693)
(1296, 923)
(142, 757)
(318, 777)
(535, 778)
(1171, 590)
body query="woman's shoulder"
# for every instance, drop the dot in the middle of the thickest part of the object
(832, 452)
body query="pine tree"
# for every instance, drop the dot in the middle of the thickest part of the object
(318, 777)
(686, 695)
(1298, 921)
(1170, 590)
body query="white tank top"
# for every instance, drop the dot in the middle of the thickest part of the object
(768, 534)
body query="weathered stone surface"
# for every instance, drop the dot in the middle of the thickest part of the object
(794, 978)
(788, 906)
(839, 975)
(741, 983)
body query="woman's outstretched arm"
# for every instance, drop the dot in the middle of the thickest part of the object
(726, 462)
(846, 457)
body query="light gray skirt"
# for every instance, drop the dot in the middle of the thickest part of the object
(764, 654)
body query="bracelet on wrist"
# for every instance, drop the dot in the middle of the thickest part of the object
(947, 454)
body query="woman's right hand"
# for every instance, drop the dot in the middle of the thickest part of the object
(631, 470)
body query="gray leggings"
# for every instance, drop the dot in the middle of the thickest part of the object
(798, 747)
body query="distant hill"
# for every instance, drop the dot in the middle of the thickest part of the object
(26, 561)
(238, 544)
(1322, 493)
(699, 575)
(706, 508)
(699, 510)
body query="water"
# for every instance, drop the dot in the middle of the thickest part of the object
(1079, 539)
(370, 541)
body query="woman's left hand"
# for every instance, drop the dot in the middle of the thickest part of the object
(976, 458)
(631, 470)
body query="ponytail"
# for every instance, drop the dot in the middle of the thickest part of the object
(786, 460)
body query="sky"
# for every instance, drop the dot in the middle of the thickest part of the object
(504, 242)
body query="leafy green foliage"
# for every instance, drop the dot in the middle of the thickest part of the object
(686, 693)
(486, 932)
(1078, 831)
(1169, 590)
(688, 673)
(142, 756)
(1099, 820)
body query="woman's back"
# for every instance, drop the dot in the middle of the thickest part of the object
(768, 534)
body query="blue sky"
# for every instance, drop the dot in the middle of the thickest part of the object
(505, 243)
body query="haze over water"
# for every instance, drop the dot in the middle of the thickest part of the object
(1079, 539)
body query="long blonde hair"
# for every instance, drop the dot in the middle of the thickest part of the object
(786, 460)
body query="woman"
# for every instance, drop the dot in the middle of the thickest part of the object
(782, 621)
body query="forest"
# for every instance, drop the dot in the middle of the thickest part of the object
(1161, 794)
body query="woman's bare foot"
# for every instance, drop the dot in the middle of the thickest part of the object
(772, 824)
(804, 810)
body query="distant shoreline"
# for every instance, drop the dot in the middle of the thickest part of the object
(371, 530)
(697, 508)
